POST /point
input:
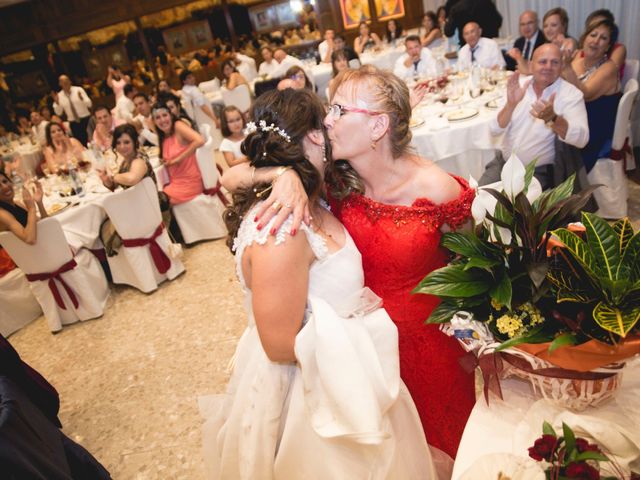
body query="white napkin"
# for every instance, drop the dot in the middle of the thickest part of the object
(438, 123)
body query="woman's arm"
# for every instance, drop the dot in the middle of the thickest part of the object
(602, 82)
(51, 163)
(287, 190)
(27, 234)
(232, 160)
(376, 39)
(235, 80)
(357, 45)
(619, 55)
(188, 135)
(434, 34)
(278, 276)
(37, 197)
(135, 174)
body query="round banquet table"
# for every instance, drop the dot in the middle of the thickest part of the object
(462, 147)
(511, 425)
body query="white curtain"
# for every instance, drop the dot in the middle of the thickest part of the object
(627, 13)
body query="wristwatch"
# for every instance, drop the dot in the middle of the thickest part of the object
(552, 120)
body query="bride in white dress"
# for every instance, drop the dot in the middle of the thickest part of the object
(315, 391)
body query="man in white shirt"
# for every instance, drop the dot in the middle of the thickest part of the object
(143, 120)
(417, 62)
(538, 109)
(124, 110)
(194, 100)
(325, 48)
(39, 127)
(245, 65)
(285, 62)
(482, 51)
(269, 65)
(75, 104)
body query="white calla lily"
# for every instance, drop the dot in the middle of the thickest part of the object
(534, 191)
(473, 183)
(478, 211)
(512, 176)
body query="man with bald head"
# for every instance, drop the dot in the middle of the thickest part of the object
(75, 104)
(285, 61)
(531, 38)
(537, 110)
(478, 49)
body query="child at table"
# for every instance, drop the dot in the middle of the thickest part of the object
(232, 125)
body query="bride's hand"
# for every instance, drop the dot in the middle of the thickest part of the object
(287, 196)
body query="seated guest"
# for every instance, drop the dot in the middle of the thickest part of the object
(538, 110)
(125, 109)
(339, 62)
(269, 64)
(233, 124)
(393, 31)
(134, 168)
(416, 62)
(555, 25)
(143, 121)
(103, 133)
(16, 219)
(478, 49)
(60, 149)
(38, 127)
(232, 78)
(432, 36)
(524, 46)
(164, 87)
(366, 40)
(619, 51)
(285, 62)
(325, 48)
(176, 109)
(244, 64)
(295, 78)
(45, 113)
(23, 126)
(596, 75)
(192, 95)
(340, 44)
(178, 145)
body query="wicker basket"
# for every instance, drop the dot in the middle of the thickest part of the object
(566, 388)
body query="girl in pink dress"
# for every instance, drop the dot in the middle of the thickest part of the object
(116, 81)
(178, 145)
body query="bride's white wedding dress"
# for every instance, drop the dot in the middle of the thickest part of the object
(340, 412)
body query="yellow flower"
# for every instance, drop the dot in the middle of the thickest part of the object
(496, 305)
(509, 325)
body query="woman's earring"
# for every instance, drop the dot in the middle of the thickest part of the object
(373, 144)
(324, 154)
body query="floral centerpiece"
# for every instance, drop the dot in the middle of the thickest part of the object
(544, 292)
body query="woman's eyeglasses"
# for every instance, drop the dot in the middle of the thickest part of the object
(336, 111)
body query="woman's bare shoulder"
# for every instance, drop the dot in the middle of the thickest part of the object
(434, 183)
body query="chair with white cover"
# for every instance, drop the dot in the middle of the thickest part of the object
(202, 120)
(610, 172)
(239, 97)
(631, 71)
(201, 217)
(67, 288)
(143, 261)
(209, 85)
(19, 306)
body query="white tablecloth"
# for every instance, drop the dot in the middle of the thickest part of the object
(462, 147)
(512, 425)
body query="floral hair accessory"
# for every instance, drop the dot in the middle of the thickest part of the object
(263, 127)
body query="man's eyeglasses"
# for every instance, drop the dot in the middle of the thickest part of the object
(336, 111)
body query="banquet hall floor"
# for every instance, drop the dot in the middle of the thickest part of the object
(129, 382)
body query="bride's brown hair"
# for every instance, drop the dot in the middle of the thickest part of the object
(296, 112)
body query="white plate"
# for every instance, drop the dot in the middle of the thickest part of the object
(415, 122)
(57, 207)
(461, 114)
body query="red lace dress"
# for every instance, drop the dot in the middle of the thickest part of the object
(399, 246)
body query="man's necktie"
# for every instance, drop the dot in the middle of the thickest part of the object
(527, 47)
(74, 112)
(473, 53)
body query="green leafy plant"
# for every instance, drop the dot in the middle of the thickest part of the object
(600, 269)
(500, 269)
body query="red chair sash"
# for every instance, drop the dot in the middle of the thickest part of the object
(52, 277)
(217, 190)
(622, 153)
(160, 259)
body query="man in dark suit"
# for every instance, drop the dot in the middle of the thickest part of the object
(482, 12)
(532, 37)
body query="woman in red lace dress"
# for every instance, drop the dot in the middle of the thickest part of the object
(395, 205)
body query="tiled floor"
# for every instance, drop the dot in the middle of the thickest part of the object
(129, 382)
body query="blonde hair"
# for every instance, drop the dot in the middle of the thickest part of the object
(385, 93)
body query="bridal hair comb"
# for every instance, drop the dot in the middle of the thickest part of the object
(263, 127)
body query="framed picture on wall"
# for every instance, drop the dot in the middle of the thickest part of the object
(263, 18)
(285, 14)
(200, 35)
(176, 40)
(354, 12)
(388, 9)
